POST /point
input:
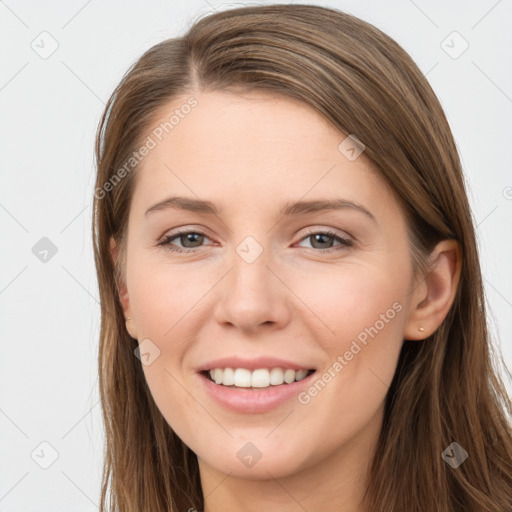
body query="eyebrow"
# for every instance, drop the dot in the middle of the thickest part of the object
(288, 209)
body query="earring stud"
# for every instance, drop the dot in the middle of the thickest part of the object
(421, 328)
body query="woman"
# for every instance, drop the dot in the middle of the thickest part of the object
(292, 306)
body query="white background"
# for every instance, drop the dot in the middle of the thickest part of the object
(49, 110)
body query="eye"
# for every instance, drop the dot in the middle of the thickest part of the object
(192, 240)
(186, 237)
(320, 239)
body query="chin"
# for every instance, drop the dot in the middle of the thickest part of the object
(255, 461)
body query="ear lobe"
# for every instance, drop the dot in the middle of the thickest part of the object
(434, 298)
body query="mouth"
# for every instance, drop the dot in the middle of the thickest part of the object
(254, 387)
(258, 379)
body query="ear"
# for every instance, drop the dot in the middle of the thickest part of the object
(433, 297)
(123, 293)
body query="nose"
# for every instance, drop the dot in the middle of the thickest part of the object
(253, 296)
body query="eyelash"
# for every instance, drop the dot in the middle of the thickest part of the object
(344, 242)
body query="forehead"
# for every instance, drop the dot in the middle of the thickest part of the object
(223, 125)
(250, 149)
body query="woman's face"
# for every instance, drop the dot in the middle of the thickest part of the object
(261, 288)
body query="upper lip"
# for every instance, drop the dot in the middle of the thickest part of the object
(252, 364)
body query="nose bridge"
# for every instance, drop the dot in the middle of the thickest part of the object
(252, 295)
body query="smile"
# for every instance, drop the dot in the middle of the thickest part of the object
(258, 378)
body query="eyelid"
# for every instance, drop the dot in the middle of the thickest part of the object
(181, 230)
(345, 240)
(204, 231)
(164, 241)
(331, 231)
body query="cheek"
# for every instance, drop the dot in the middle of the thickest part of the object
(162, 295)
(361, 331)
(166, 300)
(352, 302)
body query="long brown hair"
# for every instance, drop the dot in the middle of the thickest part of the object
(446, 388)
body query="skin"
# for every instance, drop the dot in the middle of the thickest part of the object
(249, 154)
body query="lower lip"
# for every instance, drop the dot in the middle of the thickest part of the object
(251, 400)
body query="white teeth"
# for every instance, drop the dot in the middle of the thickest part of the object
(228, 378)
(276, 376)
(300, 374)
(289, 376)
(242, 377)
(260, 378)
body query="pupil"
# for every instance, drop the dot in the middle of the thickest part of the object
(196, 237)
(320, 236)
(189, 238)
